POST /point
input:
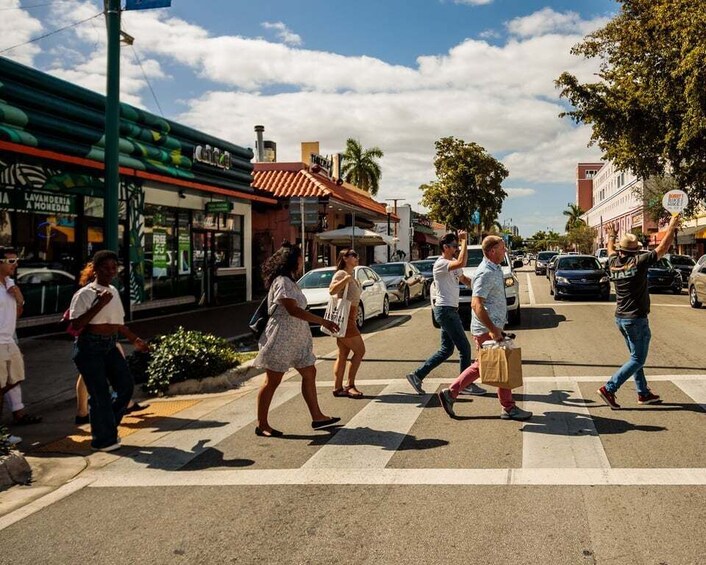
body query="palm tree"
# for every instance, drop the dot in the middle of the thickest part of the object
(574, 213)
(360, 167)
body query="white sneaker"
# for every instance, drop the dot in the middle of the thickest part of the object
(14, 440)
(474, 389)
(108, 448)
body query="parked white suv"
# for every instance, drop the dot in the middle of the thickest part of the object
(512, 288)
(602, 256)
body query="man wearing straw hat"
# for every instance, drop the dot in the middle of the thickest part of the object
(628, 270)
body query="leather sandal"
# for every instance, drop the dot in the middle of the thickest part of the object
(353, 392)
(340, 392)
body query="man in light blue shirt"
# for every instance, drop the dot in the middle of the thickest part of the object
(489, 308)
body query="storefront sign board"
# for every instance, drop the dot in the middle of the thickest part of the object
(160, 258)
(184, 246)
(219, 207)
(37, 202)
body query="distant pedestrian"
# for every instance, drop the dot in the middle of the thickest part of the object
(96, 311)
(628, 267)
(448, 273)
(82, 417)
(286, 342)
(352, 341)
(489, 307)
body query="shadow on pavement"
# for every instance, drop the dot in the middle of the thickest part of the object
(556, 423)
(387, 440)
(539, 319)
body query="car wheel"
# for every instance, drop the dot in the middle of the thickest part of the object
(557, 297)
(515, 317)
(385, 307)
(360, 316)
(405, 297)
(693, 298)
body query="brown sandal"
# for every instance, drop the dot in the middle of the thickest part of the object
(353, 392)
(340, 392)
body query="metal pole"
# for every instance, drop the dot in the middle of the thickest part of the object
(112, 126)
(388, 235)
(301, 211)
(353, 234)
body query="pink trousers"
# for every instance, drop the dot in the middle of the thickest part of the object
(472, 373)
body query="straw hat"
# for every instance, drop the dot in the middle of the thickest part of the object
(629, 243)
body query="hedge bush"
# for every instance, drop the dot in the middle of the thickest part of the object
(180, 356)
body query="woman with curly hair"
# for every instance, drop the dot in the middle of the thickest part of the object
(286, 341)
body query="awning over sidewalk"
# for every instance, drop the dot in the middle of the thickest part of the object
(423, 238)
(353, 234)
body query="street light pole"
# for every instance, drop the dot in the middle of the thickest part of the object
(394, 200)
(388, 210)
(112, 127)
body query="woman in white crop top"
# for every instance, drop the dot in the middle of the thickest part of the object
(352, 340)
(97, 313)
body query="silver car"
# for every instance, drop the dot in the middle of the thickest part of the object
(403, 280)
(697, 283)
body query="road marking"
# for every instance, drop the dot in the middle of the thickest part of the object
(371, 437)
(530, 290)
(561, 435)
(35, 506)
(544, 477)
(695, 389)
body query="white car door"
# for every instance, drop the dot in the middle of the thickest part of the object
(365, 296)
(379, 290)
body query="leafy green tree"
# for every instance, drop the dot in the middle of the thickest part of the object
(360, 166)
(582, 237)
(648, 109)
(469, 179)
(574, 214)
(654, 190)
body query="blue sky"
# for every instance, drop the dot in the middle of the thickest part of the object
(398, 74)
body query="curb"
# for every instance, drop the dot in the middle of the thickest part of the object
(232, 378)
(14, 470)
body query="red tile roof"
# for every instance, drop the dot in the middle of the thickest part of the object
(288, 180)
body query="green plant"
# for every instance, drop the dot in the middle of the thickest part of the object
(186, 355)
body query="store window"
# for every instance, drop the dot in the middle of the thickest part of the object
(219, 234)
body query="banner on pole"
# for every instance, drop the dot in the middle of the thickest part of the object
(147, 4)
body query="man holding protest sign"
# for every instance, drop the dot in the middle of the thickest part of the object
(489, 307)
(628, 267)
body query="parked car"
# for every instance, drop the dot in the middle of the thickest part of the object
(374, 300)
(663, 276)
(403, 280)
(543, 257)
(697, 283)
(46, 291)
(579, 275)
(512, 288)
(602, 256)
(682, 263)
(426, 267)
(550, 265)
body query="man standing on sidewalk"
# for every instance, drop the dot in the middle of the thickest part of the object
(447, 274)
(628, 270)
(489, 307)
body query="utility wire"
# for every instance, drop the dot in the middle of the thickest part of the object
(50, 33)
(34, 6)
(144, 74)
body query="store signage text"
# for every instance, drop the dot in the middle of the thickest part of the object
(213, 156)
(40, 202)
(219, 207)
(326, 163)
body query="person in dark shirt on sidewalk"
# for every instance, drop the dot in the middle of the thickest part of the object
(628, 270)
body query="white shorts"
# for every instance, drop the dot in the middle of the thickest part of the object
(12, 365)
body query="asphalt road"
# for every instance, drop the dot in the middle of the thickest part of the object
(401, 482)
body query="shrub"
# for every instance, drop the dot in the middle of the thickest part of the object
(184, 355)
(5, 445)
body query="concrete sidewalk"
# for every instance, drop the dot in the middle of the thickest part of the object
(51, 375)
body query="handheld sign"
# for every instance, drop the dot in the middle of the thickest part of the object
(675, 201)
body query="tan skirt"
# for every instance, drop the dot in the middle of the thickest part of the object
(351, 329)
(12, 365)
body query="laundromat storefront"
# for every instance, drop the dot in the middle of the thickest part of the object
(184, 210)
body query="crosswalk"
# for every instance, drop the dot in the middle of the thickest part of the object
(560, 446)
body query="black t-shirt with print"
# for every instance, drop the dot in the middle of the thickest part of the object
(629, 274)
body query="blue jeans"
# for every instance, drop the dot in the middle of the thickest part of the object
(637, 337)
(102, 366)
(452, 334)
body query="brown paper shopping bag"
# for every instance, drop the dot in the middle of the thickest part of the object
(501, 367)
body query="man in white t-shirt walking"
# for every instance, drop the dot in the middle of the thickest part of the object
(448, 272)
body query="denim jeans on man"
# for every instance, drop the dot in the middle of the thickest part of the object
(452, 334)
(636, 332)
(102, 366)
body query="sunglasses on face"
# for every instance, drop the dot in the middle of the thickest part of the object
(10, 261)
(452, 245)
(352, 254)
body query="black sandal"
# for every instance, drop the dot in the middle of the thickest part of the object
(351, 394)
(324, 423)
(266, 433)
(340, 392)
(136, 408)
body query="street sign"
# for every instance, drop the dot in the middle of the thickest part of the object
(475, 218)
(147, 4)
(219, 207)
(675, 201)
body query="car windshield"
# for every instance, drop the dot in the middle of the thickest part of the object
(602, 253)
(475, 256)
(424, 266)
(389, 269)
(316, 279)
(682, 260)
(546, 255)
(662, 264)
(578, 264)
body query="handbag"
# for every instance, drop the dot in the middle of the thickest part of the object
(66, 318)
(337, 311)
(258, 322)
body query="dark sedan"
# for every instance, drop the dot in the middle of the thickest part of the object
(540, 265)
(682, 263)
(663, 276)
(579, 275)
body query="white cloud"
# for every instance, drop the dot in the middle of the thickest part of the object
(547, 21)
(16, 27)
(284, 33)
(519, 192)
(473, 2)
(489, 34)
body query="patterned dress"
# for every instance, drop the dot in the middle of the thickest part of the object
(286, 341)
